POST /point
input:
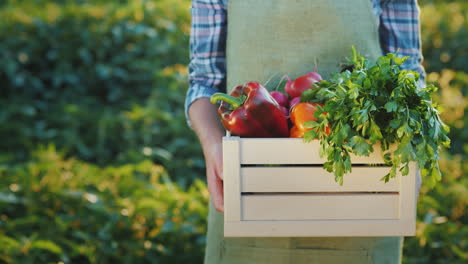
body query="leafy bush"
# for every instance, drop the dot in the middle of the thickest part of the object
(104, 81)
(57, 209)
(445, 38)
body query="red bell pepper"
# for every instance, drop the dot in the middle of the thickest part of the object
(250, 111)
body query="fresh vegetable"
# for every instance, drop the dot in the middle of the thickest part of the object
(294, 132)
(378, 103)
(294, 102)
(298, 86)
(250, 111)
(281, 98)
(284, 110)
(300, 114)
(315, 75)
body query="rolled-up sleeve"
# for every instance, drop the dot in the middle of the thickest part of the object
(400, 31)
(207, 67)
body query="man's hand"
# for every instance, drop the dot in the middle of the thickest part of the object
(209, 130)
(214, 174)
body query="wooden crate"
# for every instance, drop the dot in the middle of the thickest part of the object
(278, 188)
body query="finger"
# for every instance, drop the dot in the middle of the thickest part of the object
(215, 186)
(221, 192)
(219, 165)
(220, 173)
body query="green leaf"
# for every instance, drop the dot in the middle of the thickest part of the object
(311, 124)
(392, 173)
(310, 135)
(391, 106)
(375, 133)
(436, 173)
(310, 95)
(401, 131)
(387, 158)
(404, 170)
(360, 146)
(8, 243)
(46, 245)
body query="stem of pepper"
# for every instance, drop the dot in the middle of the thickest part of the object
(235, 102)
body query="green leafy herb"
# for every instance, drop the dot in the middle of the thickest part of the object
(378, 103)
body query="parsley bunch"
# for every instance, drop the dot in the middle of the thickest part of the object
(377, 103)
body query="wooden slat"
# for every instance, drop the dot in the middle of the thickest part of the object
(319, 206)
(231, 174)
(315, 179)
(320, 228)
(408, 198)
(291, 151)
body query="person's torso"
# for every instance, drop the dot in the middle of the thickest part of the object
(267, 39)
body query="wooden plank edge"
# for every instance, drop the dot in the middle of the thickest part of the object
(328, 228)
(231, 173)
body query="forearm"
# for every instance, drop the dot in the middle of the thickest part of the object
(400, 31)
(205, 122)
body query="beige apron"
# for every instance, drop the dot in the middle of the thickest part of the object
(269, 38)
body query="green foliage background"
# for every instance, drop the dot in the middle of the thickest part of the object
(97, 164)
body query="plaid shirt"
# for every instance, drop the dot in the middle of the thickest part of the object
(398, 30)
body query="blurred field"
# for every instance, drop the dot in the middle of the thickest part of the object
(97, 164)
